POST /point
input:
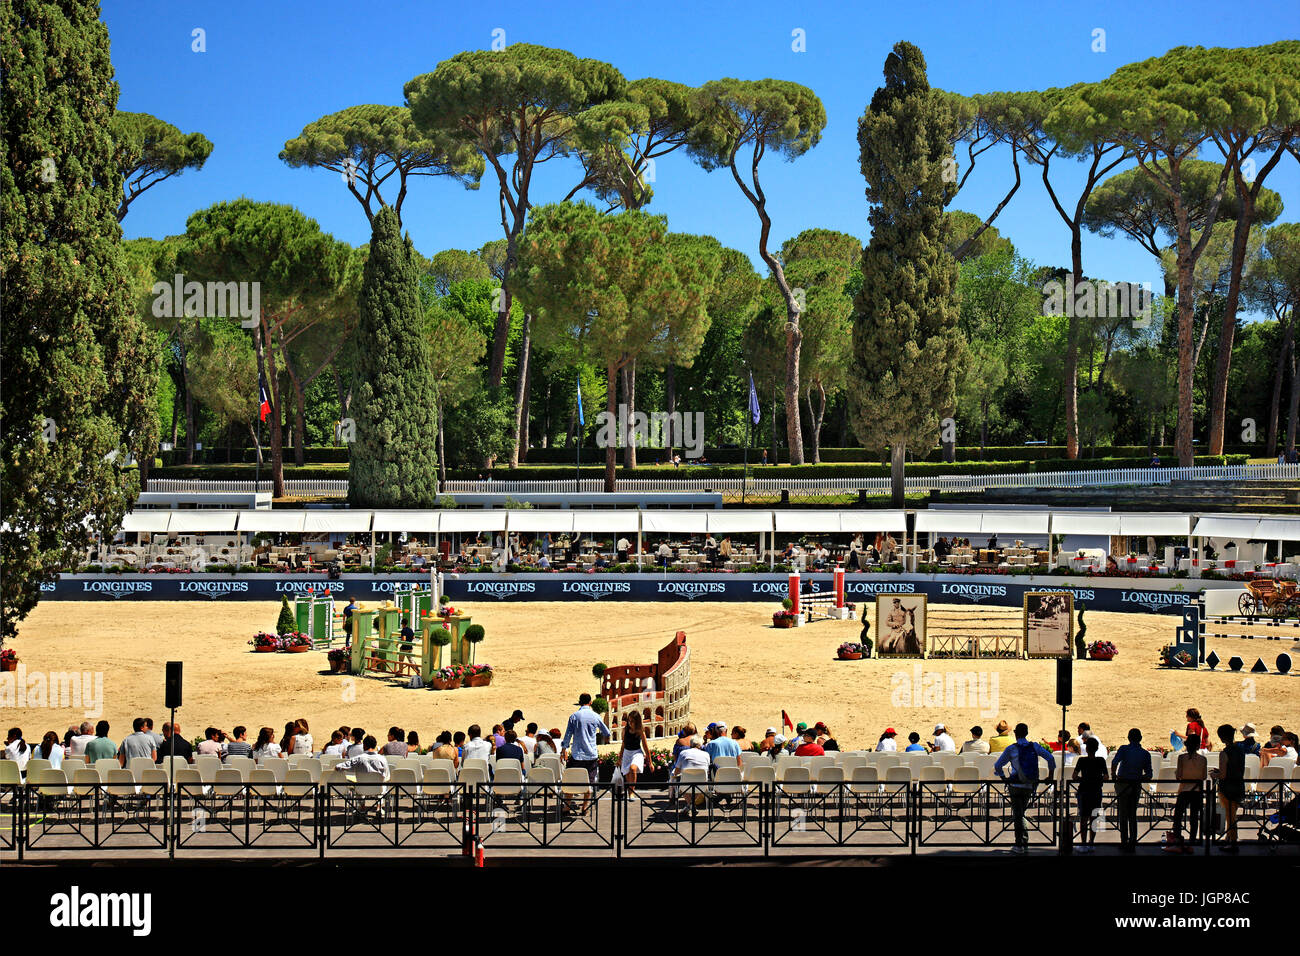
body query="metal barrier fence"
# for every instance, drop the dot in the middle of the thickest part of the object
(736, 818)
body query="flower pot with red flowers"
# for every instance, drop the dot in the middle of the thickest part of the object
(1102, 651)
(446, 678)
(478, 675)
(340, 661)
(295, 643)
(850, 651)
(265, 643)
(8, 659)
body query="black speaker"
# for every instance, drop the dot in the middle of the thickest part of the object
(173, 684)
(1064, 681)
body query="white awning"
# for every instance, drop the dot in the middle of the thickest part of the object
(538, 519)
(150, 521)
(1223, 526)
(949, 522)
(739, 522)
(341, 520)
(271, 520)
(680, 522)
(416, 522)
(807, 520)
(1159, 525)
(472, 519)
(1278, 529)
(1086, 522)
(855, 521)
(606, 522)
(1007, 523)
(202, 522)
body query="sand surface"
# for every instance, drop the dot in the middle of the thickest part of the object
(743, 671)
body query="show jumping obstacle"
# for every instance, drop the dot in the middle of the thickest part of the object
(829, 604)
(315, 616)
(660, 692)
(379, 647)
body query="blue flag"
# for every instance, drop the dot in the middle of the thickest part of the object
(581, 419)
(753, 400)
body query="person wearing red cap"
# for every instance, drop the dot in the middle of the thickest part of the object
(887, 742)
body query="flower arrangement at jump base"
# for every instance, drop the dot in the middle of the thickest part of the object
(295, 642)
(264, 643)
(1171, 656)
(478, 675)
(445, 678)
(851, 651)
(8, 659)
(1102, 651)
(785, 617)
(340, 660)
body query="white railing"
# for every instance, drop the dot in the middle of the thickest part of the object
(1093, 478)
(292, 486)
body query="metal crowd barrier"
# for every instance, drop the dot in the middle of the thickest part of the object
(739, 818)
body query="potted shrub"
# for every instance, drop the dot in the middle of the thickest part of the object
(8, 659)
(478, 675)
(1102, 650)
(265, 643)
(850, 651)
(600, 705)
(439, 637)
(785, 618)
(286, 624)
(295, 643)
(340, 661)
(474, 635)
(445, 678)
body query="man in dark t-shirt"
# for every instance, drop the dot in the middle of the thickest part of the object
(510, 750)
(183, 747)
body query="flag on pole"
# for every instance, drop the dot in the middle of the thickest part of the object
(753, 400)
(581, 419)
(785, 720)
(263, 397)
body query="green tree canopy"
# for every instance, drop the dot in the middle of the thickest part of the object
(150, 150)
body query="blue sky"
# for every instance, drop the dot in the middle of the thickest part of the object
(272, 67)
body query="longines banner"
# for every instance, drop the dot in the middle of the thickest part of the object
(1165, 597)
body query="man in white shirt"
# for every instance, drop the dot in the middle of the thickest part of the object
(476, 746)
(1085, 731)
(77, 746)
(943, 742)
(529, 740)
(623, 547)
(368, 759)
(693, 757)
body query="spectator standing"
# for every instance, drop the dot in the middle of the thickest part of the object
(1195, 725)
(1191, 773)
(1231, 777)
(580, 738)
(1090, 773)
(1023, 756)
(1131, 766)
(634, 754)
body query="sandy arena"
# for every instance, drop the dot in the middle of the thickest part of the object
(742, 671)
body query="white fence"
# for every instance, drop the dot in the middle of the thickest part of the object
(1098, 478)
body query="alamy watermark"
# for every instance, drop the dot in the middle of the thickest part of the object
(56, 690)
(651, 430)
(242, 300)
(953, 689)
(1097, 298)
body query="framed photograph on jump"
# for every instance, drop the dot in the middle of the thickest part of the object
(900, 625)
(1049, 623)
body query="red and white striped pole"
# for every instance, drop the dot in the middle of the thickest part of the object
(839, 586)
(794, 592)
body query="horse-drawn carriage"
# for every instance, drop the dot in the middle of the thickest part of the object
(1269, 597)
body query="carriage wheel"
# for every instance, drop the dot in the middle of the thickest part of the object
(1246, 605)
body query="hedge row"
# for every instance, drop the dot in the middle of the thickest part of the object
(1009, 454)
(705, 472)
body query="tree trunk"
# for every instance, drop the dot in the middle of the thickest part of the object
(1072, 346)
(189, 408)
(257, 445)
(442, 448)
(628, 376)
(266, 367)
(525, 440)
(1183, 432)
(817, 423)
(1218, 397)
(897, 464)
(299, 421)
(611, 407)
(1276, 405)
(670, 398)
(1294, 411)
(521, 391)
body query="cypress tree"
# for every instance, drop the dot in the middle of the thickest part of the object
(79, 366)
(394, 461)
(906, 343)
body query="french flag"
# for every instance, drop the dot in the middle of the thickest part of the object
(264, 397)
